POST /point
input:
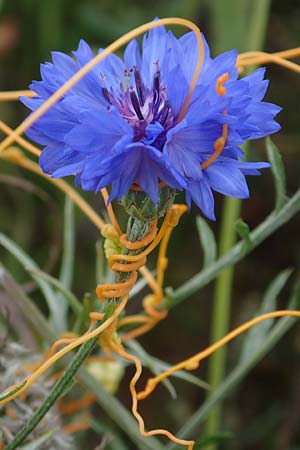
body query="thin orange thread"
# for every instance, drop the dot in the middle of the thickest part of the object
(67, 340)
(110, 211)
(14, 95)
(255, 58)
(193, 362)
(123, 263)
(288, 54)
(139, 331)
(138, 371)
(49, 362)
(132, 319)
(152, 301)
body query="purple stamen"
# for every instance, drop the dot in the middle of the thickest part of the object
(135, 104)
(164, 114)
(139, 85)
(106, 95)
(156, 82)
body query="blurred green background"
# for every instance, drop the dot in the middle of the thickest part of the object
(262, 413)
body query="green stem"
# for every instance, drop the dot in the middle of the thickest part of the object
(272, 223)
(223, 288)
(221, 309)
(136, 230)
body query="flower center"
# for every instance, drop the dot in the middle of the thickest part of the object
(140, 105)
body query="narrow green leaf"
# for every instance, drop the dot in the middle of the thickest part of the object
(116, 443)
(69, 386)
(26, 306)
(83, 318)
(257, 335)
(28, 263)
(67, 265)
(208, 242)
(102, 271)
(36, 444)
(272, 223)
(242, 228)
(109, 310)
(278, 173)
(218, 437)
(68, 295)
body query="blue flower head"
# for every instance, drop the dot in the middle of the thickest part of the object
(121, 124)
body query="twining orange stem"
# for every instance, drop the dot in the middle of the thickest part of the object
(256, 58)
(66, 340)
(49, 362)
(193, 362)
(23, 142)
(100, 57)
(14, 95)
(291, 53)
(137, 318)
(129, 263)
(110, 211)
(138, 371)
(141, 330)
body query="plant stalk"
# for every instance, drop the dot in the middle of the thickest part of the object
(253, 39)
(136, 230)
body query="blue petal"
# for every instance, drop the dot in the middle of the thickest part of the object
(154, 47)
(98, 130)
(227, 179)
(201, 194)
(132, 56)
(190, 49)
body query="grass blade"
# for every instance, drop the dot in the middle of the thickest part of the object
(36, 444)
(208, 242)
(278, 171)
(257, 335)
(27, 263)
(67, 295)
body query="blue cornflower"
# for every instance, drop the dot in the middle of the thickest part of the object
(121, 124)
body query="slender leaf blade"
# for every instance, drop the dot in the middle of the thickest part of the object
(28, 263)
(208, 242)
(257, 335)
(278, 171)
(36, 444)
